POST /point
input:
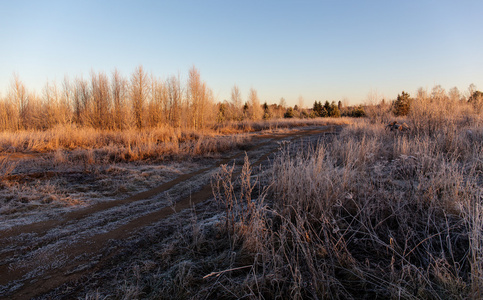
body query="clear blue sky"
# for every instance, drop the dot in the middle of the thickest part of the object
(321, 50)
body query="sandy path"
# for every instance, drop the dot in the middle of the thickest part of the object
(39, 257)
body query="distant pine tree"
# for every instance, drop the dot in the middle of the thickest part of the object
(334, 110)
(289, 113)
(402, 104)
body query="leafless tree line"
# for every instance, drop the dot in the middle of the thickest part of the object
(114, 102)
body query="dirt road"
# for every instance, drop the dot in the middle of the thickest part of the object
(39, 257)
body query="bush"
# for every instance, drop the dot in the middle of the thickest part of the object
(358, 112)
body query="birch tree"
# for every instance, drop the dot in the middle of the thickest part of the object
(120, 112)
(255, 110)
(236, 103)
(173, 89)
(139, 94)
(20, 100)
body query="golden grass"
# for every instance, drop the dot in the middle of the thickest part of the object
(271, 125)
(131, 145)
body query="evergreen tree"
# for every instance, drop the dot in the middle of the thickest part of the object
(402, 104)
(315, 108)
(334, 110)
(320, 110)
(265, 107)
(327, 108)
(289, 113)
(245, 110)
(221, 112)
(266, 111)
(476, 97)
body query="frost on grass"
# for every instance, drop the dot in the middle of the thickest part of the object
(42, 187)
(369, 212)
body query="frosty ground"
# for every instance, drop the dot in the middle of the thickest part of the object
(66, 221)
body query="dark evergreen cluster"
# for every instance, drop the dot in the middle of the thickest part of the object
(326, 110)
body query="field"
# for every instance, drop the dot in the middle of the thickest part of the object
(55, 196)
(337, 208)
(241, 150)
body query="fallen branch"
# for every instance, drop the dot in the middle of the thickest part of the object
(224, 271)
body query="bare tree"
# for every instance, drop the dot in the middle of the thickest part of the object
(35, 104)
(163, 101)
(471, 90)
(373, 97)
(345, 102)
(236, 102)
(438, 93)
(282, 103)
(173, 88)
(199, 99)
(116, 103)
(422, 94)
(101, 100)
(255, 110)
(84, 94)
(156, 103)
(20, 99)
(64, 106)
(376, 108)
(118, 92)
(139, 94)
(77, 103)
(454, 94)
(301, 102)
(194, 97)
(8, 115)
(50, 103)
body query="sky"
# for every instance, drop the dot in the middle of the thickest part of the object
(320, 50)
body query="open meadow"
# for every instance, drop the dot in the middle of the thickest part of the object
(319, 208)
(327, 150)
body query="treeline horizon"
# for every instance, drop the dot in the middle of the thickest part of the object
(116, 102)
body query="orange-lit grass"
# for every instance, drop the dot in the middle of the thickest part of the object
(146, 143)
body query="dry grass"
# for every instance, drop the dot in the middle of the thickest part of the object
(133, 145)
(6, 166)
(368, 213)
(389, 212)
(69, 138)
(90, 146)
(68, 167)
(392, 215)
(277, 124)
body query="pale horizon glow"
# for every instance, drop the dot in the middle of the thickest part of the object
(320, 50)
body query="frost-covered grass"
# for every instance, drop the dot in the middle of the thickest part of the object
(76, 168)
(49, 189)
(368, 214)
(68, 168)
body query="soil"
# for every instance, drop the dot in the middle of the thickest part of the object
(43, 259)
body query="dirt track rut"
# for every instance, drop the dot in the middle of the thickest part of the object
(39, 257)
